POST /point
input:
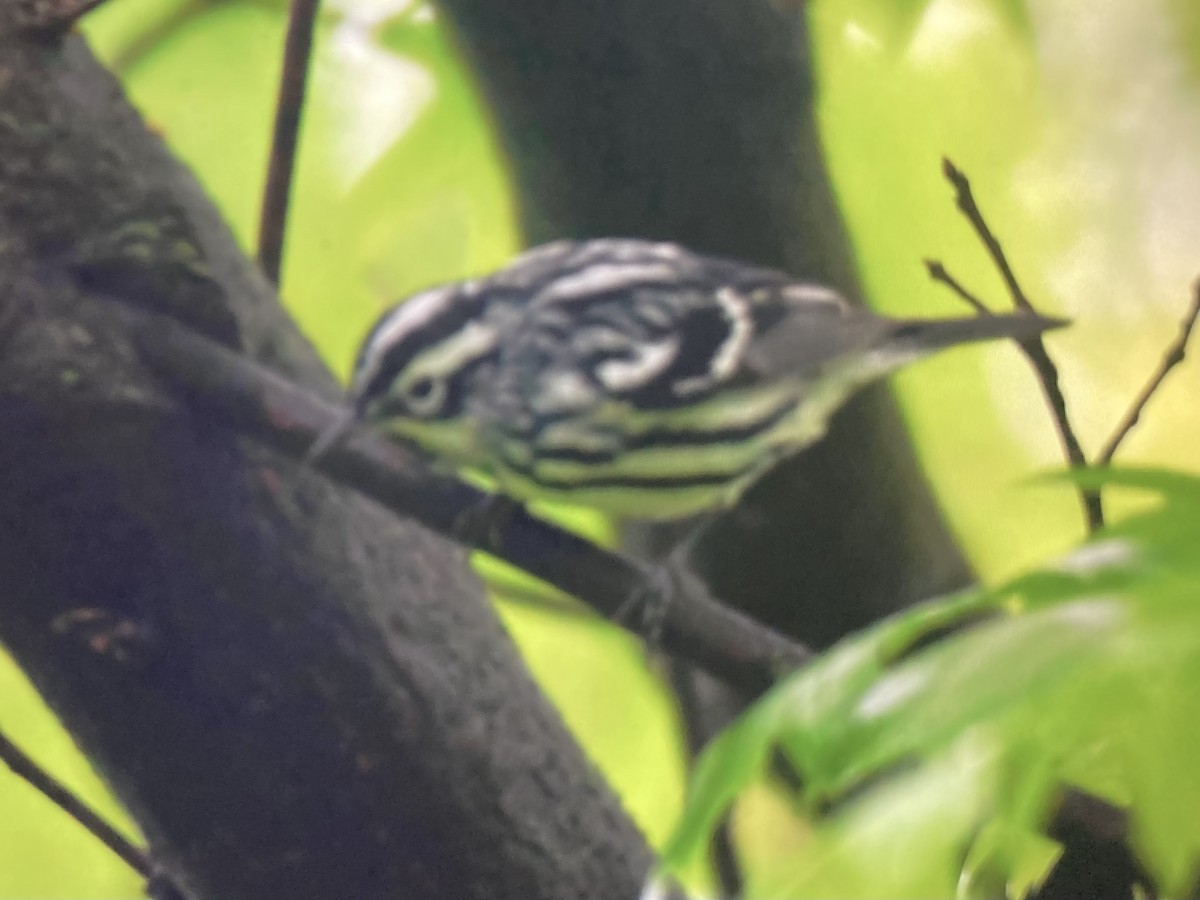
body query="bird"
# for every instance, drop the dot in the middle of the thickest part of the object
(638, 378)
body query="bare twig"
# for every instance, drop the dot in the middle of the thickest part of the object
(288, 111)
(939, 273)
(965, 200)
(51, 788)
(1173, 357)
(1033, 348)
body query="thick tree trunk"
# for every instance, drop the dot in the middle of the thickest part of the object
(294, 694)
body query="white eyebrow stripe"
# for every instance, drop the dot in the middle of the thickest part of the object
(413, 313)
(562, 391)
(803, 292)
(406, 318)
(741, 328)
(599, 278)
(466, 345)
(649, 361)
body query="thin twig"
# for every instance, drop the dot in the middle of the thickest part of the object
(288, 111)
(939, 273)
(1173, 357)
(969, 208)
(1033, 348)
(51, 788)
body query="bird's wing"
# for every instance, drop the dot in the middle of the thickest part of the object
(657, 326)
(680, 343)
(801, 329)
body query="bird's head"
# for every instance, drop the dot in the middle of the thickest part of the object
(415, 369)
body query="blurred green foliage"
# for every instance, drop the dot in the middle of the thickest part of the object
(1079, 128)
(1084, 673)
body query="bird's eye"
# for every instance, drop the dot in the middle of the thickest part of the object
(423, 395)
(421, 389)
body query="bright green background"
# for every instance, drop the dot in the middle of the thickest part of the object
(1079, 125)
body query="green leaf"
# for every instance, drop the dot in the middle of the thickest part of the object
(950, 750)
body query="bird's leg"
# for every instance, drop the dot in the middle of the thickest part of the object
(666, 577)
(668, 574)
(482, 524)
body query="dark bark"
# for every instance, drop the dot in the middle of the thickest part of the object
(294, 693)
(694, 121)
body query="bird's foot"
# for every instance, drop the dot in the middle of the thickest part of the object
(482, 525)
(646, 609)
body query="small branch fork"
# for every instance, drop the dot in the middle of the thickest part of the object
(1080, 821)
(289, 108)
(1035, 350)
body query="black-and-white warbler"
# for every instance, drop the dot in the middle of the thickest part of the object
(637, 378)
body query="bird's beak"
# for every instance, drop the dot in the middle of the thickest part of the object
(334, 434)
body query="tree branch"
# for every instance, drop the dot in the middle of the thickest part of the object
(53, 790)
(233, 390)
(289, 108)
(1036, 352)
(1034, 348)
(940, 274)
(1173, 357)
(159, 886)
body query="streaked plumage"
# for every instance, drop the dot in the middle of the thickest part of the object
(638, 378)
